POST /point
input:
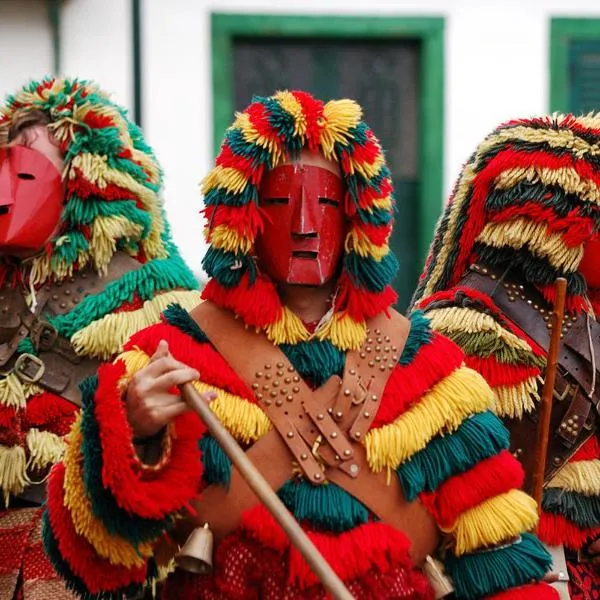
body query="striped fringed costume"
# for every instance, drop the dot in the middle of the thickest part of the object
(107, 514)
(112, 205)
(524, 205)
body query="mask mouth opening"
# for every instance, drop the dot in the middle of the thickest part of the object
(305, 254)
(4, 209)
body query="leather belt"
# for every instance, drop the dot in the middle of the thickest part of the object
(316, 432)
(574, 413)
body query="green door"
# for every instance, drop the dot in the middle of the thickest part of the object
(584, 76)
(383, 77)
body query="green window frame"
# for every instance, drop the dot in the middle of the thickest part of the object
(564, 31)
(429, 31)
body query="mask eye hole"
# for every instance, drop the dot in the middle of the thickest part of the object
(26, 176)
(329, 201)
(267, 201)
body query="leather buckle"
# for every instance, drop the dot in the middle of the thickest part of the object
(43, 335)
(23, 368)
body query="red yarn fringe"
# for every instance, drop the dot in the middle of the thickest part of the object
(97, 573)
(534, 591)
(487, 479)
(50, 412)
(589, 451)
(158, 494)
(360, 304)
(246, 219)
(408, 383)
(498, 374)
(258, 305)
(313, 113)
(555, 530)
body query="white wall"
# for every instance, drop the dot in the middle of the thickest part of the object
(497, 56)
(25, 42)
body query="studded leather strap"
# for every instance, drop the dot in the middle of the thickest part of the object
(321, 429)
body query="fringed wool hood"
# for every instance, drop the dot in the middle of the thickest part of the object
(268, 131)
(528, 198)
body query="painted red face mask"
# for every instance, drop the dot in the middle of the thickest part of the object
(590, 263)
(304, 224)
(31, 199)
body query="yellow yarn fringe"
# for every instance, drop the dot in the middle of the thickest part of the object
(581, 477)
(442, 409)
(245, 421)
(362, 245)
(229, 178)
(494, 521)
(230, 240)
(13, 471)
(105, 337)
(340, 116)
(115, 549)
(540, 239)
(288, 102)
(343, 332)
(252, 136)
(14, 392)
(288, 329)
(565, 178)
(368, 170)
(96, 170)
(105, 232)
(45, 448)
(468, 320)
(515, 400)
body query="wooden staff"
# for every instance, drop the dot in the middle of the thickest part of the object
(322, 569)
(543, 428)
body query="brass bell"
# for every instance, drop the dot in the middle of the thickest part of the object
(196, 554)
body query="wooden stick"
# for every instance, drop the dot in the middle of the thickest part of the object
(322, 569)
(545, 412)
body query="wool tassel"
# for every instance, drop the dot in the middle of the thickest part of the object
(480, 574)
(45, 448)
(13, 471)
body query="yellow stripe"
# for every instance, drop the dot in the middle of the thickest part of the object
(288, 329)
(362, 245)
(45, 448)
(385, 203)
(288, 102)
(104, 233)
(494, 521)
(442, 409)
(230, 240)
(566, 178)
(244, 420)
(513, 401)
(105, 337)
(229, 178)
(343, 332)
(368, 170)
(14, 393)
(252, 136)
(541, 241)
(581, 477)
(340, 116)
(13, 471)
(114, 548)
(470, 321)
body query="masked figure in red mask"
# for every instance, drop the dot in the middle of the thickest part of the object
(369, 426)
(85, 261)
(526, 210)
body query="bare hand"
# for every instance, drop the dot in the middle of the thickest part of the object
(150, 403)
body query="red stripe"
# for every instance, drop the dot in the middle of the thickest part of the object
(259, 117)
(361, 304)
(257, 304)
(159, 494)
(533, 591)
(50, 412)
(555, 530)
(498, 373)
(589, 451)
(312, 110)
(84, 189)
(246, 219)
(97, 573)
(487, 479)
(407, 385)
(574, 229)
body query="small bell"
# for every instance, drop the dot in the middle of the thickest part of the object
(196, 554)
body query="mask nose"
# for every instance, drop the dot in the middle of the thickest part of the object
(304, 219)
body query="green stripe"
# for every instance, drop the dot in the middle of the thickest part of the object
(315, 360)
(582, 510)
(217, 465)
(177, 316)
(484, 573)
(477, 438)
(420, 335)
(159, 275)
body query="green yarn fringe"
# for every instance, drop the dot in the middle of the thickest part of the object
(477, 438)
(582, 510)
(217, 465)
(326, 507)
(420, 335)
(315, 360)
(177, 316)
(481, 574)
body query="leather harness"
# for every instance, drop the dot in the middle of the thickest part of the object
(574, 412)
(315, 432)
